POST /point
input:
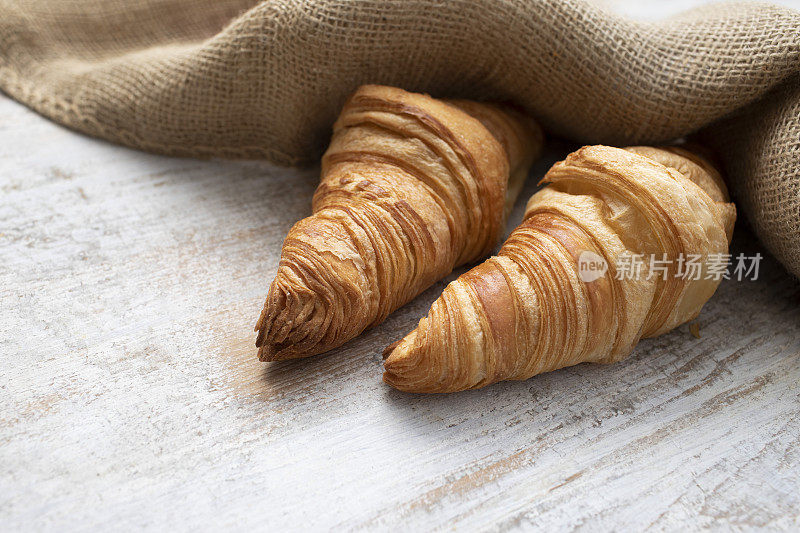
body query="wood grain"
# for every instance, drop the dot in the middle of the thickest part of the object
(132, 397)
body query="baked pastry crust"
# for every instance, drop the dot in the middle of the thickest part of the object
(411, 187)
(528, 310)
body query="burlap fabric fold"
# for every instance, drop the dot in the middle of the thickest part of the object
(238, 78)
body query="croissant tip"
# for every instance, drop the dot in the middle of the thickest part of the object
(264, 354)
(401, 363)
(271, 348)
(391, 378)
(389, 349)
(396, 379)
(293, 324)
(391, 361)
(270, 352)
(388, 378)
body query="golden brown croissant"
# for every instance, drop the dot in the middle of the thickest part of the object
(535, 307)
(411, 187)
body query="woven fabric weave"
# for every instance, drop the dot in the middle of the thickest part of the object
(239, 78)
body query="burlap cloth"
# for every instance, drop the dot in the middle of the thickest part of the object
(239, 78)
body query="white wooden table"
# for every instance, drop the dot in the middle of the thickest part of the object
(131, 396)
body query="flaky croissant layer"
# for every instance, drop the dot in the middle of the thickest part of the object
(411, 187)
(531, 309)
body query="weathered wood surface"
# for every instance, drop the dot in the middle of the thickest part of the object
(131, 395)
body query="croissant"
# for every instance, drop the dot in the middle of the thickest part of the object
(533, 309)
(411, 188)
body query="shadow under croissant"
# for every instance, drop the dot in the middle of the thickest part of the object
(554, 399)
